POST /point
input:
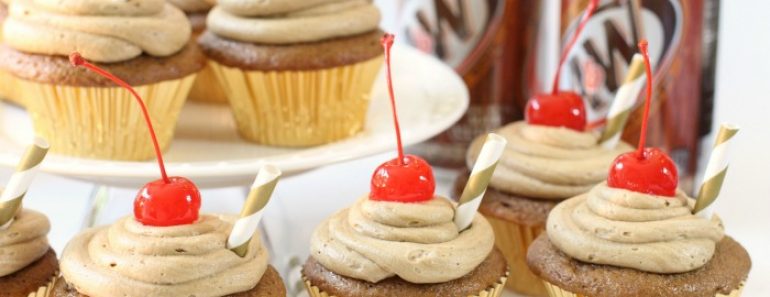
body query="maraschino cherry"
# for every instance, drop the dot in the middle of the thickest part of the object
(407, 178)
(647, 170)
(561, 108)
(168, 201)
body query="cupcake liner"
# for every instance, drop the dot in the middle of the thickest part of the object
(8, 88)
(44, 291)
(104, 122)
(556, 291)
(206, 88)
(495, 290)
(513, 240)
(299, 108)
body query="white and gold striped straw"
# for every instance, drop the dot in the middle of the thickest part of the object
(477, 184)
(716, 170)
(246, 226)
(624, 101)
(29, 165)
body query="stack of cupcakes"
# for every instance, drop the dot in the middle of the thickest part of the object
(296, 73)
(147, 43)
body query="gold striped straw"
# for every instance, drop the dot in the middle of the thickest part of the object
(245, 227)
(29, 165)
(715, 170)
(477, 184)
(624, 101)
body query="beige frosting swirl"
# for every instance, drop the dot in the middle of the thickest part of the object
(629, 229)
(292, 21)
(101, 30)
(192, 5)
(23, 242)
(547, 162)
(418, 242)
(131, 259)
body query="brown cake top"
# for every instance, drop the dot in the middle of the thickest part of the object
(138, 71)
(482, 278)
(726, 272)
(35, 275)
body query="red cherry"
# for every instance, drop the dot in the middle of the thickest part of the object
(164, 202)
(564, 109)
(652, 173)
(408, 181)
(168, 204)
(647, 170)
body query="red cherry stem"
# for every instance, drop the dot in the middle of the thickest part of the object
(387, 44)
(589, 12)
(643, 47)
(77, 60)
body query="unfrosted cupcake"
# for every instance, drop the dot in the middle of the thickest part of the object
(616, 242)
(129, 258)
(296, 72)
(28, 265)
(206, 88)
(147, 43)
(540, 167)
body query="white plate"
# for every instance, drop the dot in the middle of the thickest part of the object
(430, 98)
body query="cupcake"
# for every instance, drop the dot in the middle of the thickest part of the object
(296, 73)
(166, 248)
(403, 240)
(206, 88)
(637, 234)
(147, 43)
(27, 262)
(6, 80)
(130, 258)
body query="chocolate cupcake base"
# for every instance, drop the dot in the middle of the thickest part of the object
(270, 285)
(34, 278)
(722, 276)
(517, 221)
(486, 280)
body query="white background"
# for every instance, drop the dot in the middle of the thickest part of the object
(743, 97)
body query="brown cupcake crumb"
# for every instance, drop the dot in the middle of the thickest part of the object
(301, 56)
(270, 285)
(482, 278)
(521, 210)
(32, 277)
(724, 273)
(142, 70)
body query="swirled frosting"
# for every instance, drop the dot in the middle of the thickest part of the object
(101, 30)
(23, 242)
(192, 5)
(547, 162)
(292, 21)
(418, 242)
(634, 230)
(131, 259)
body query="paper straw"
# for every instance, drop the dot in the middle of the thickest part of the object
(245, 227)
(715, 170)
(624, 101)
(10, 200)
(477, 183)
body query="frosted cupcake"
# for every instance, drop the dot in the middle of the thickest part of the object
(6, 80)
(296, 73)
(28, 265)
(147, 43)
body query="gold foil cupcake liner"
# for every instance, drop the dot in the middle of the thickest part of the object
(556, 291)
(104, 122)
(513, 240)
(206, 88)
(495, 290)
(299, 108)
(44, 291)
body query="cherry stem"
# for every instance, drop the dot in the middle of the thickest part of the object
(643, 47)
(77, 60)
(589, 12)
(387, 44)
